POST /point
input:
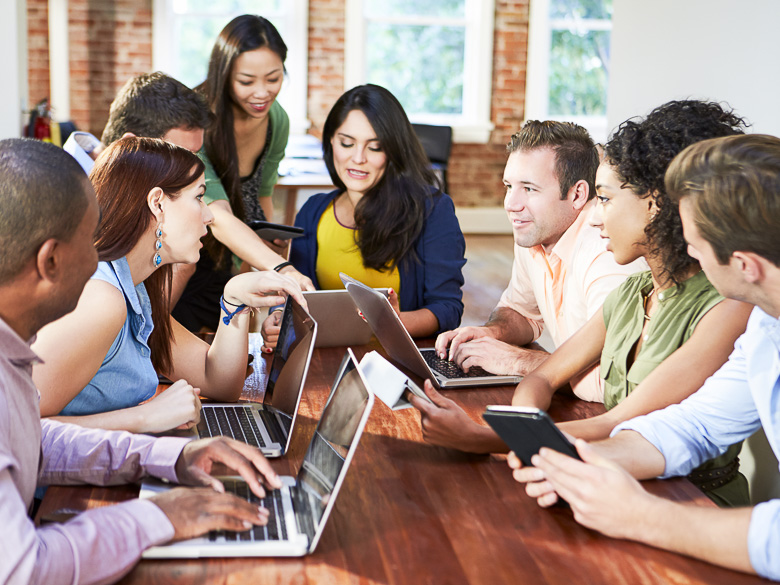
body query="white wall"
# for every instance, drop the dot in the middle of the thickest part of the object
(715, 49)
(13, 66)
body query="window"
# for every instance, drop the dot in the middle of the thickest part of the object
(435, 57)
(184, 32)
(568, 62)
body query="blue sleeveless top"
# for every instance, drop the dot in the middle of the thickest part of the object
(126, 377)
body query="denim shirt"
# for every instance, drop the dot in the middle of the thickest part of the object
(126, 377)
(733, 403)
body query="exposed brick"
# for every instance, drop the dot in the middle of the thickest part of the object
(111, 40)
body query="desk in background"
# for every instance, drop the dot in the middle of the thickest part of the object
(302, 168)
(409, 513)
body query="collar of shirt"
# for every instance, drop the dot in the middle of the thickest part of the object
(137, 298)
(14, 348)
(564, 248)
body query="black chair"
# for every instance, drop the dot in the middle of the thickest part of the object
(437, 143)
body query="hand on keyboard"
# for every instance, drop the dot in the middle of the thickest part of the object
(196, 511)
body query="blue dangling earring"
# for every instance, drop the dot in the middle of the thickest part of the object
(157, 259)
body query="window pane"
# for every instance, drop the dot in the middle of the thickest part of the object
(441, 8)
(421, 65)
(601, 9)
(196, 36)
(579, 70)
(222, 7)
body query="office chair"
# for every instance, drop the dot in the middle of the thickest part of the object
(437, 143)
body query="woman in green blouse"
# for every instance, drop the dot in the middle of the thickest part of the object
(662, 332)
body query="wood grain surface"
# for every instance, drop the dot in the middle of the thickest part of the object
(410, 513)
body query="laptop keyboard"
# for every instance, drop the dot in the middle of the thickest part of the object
(450, 369)
(276, 528)
(235, 422)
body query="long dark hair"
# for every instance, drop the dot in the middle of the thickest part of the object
(122, 177)
(641, 150)
(244, 33)
(390, 216)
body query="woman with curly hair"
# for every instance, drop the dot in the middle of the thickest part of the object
(663, 331)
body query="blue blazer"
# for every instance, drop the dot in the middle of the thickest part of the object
(434, 283)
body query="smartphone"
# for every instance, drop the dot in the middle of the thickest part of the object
(526, 430)
(275, 231)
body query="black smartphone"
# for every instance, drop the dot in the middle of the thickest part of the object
(275, 231)
(526, 430)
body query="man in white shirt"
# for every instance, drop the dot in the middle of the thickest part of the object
(729, 194)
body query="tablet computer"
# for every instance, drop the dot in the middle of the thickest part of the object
(526, 430)
(275, 231)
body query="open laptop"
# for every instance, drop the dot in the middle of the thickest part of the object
(300, 509)
(269, 425)
(338, 319)
(391, 333)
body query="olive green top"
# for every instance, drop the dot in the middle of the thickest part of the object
(279, 131)
(678, 311)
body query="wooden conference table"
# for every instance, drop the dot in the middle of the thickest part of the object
(412, 513)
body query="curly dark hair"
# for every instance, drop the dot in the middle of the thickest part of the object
(640, 151)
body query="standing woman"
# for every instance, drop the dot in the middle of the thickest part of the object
(242, 151)
(385, 224)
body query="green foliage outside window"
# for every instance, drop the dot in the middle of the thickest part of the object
(579, 59)
(421, 65)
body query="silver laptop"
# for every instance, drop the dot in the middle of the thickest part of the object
(394, 337)
(300, 509)
(269, 425)
(338, 319)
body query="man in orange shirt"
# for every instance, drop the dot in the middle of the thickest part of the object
(562, 270)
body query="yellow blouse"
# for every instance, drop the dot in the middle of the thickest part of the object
(338, 252)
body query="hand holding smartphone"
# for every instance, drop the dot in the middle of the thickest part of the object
(526, 430)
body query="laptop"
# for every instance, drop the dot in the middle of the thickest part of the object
(300, 509)
(269, 425)
(391, 333)
(338, 319)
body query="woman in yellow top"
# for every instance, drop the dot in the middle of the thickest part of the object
(385, 224)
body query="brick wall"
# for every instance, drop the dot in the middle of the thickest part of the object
(111, 41)
(37, 50)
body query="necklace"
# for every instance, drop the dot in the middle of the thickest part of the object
(645, 300)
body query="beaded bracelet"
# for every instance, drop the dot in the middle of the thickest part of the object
(222, 302)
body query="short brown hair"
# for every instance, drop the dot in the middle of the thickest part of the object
(734, 185)
(152, 104)
(576, 158)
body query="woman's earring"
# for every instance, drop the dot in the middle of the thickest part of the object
(157, 259)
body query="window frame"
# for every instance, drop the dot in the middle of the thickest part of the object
(537, 95)
(295, 88)
(474, 124)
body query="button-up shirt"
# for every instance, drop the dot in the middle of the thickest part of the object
(100, 545)
(562, 289)
(733, 403)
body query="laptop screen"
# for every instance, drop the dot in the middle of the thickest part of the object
(291, 358)
(335, 436)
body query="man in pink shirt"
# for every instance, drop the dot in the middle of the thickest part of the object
(49, 217)
(561, 275)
